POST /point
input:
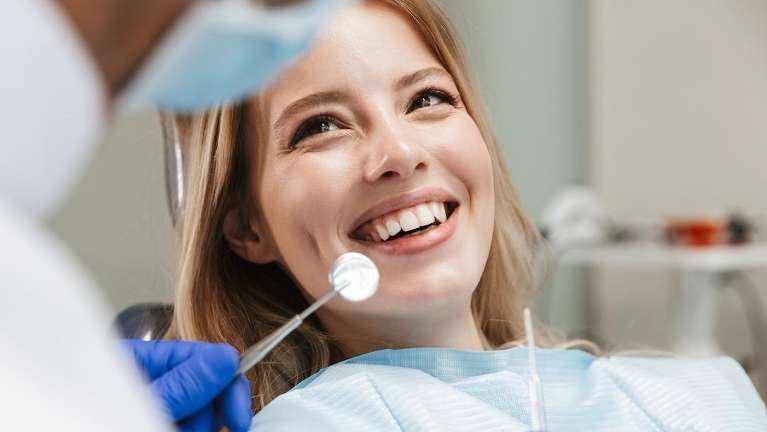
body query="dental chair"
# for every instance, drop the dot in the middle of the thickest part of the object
(150, 321)
(146, 321)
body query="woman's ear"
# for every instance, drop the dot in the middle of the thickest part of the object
(246, 241)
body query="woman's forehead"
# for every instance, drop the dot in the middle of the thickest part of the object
(366, 47)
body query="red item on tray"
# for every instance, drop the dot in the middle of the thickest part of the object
(697, 232)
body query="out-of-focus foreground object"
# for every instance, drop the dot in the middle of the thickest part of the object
(53, 324)
(221, 51)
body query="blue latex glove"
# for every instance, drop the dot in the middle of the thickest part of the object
(194, 381)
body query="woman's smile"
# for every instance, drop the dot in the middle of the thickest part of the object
(408, 224)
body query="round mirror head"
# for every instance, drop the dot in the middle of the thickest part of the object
(354, 276)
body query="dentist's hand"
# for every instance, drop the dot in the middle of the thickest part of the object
(194, 382)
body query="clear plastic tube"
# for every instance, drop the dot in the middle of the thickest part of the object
(535, 390)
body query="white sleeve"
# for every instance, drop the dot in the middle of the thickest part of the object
(52, 108)
(59, 368)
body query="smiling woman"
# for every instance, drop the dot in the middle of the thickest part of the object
(375, 142)
(369, 143)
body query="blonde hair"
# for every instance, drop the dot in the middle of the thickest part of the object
(223, 298)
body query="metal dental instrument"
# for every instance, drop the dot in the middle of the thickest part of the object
(354, 276)
(535, 391)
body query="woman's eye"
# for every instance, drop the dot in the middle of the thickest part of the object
(427, 99)
(313, 126)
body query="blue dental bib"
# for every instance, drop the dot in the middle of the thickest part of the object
(440, 389)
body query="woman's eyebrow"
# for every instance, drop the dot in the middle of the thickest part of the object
(310, 101)
(330, 97)
(420, 75)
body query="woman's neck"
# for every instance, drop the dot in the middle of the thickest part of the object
(362, 334)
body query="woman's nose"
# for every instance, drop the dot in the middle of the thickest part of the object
(392, 154)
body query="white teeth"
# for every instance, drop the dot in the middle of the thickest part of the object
(439, 211)
(425, 216)
(392, 226)
(434, 207)
(383, 234)
(421, 215)
(442, 213)
(408, 220)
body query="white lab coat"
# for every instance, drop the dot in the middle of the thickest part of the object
(60, 369)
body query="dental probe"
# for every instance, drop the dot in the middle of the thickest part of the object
(537, 418)
(353, 275)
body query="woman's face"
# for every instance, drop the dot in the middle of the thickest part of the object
(369, 149)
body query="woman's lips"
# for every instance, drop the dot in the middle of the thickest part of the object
(405, 200)
(403, 221)
(424, 241)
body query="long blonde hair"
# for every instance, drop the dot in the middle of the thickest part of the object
(223, 298)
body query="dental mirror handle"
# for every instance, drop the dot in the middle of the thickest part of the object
(351, 268)
(257, 352)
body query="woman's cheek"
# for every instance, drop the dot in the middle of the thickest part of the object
(472, 165)
(306, 199)
(466, 154)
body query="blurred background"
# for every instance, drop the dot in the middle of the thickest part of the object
(656, 106)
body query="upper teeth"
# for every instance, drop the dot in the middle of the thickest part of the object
(406, 220)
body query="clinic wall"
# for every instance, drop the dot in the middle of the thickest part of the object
(528, 58)
(116, 220)
(678, 93)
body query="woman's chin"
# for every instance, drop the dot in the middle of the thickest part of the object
(431, 284)
(427, 293)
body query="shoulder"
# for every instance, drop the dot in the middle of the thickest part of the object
(25, 245)
(40, 282)
(718, 375)
(715, 388)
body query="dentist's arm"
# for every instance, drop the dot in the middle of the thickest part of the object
(193, 380)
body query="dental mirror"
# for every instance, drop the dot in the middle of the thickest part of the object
(353, 275)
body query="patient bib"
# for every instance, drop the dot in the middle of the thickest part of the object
(441, 389)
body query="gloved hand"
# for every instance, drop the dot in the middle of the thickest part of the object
(194, 381)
